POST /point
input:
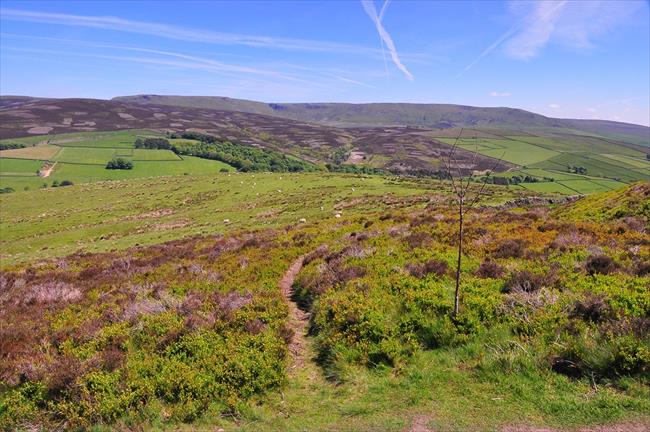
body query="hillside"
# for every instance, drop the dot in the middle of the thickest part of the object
(405, 114)
(542, 159)
(242, 302)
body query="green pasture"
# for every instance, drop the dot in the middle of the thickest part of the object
(19, 167)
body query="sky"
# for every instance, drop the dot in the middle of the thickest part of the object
(567, 59)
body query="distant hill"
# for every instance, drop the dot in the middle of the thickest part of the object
(538, 153)
(437, 116)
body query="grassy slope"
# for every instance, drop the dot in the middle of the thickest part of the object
(101, 216)
(449, 385)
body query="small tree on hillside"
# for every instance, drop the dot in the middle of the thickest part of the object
(465, 198)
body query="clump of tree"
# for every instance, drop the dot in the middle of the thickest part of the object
(244, 158)
(340, 155)
(514, 180)
(6, 190)
(576, 169)
(10, 146)
(62, 183)
(119, 163)
(153, 143)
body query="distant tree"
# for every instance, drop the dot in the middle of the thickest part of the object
(55, 183)
(153, 143)
(66, 183)
(466, 198)
(119, 163)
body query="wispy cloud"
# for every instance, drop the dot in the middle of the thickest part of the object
(275, 71)
(553, 106)
(569, 24)
(371, 10)
(510, 33)
(183, 33)
(499, 94)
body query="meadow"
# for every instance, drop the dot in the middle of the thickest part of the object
(82, 157)
(196, 334)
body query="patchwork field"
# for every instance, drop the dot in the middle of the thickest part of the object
(606, 165)
(82, 157)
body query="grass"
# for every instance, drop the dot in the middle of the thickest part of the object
(19, 167)
(39, 152)
(82, 157)
(638, 162)
(85, 155)
(550, 156)
(595, 167)
(516, 152)
(150, 306)
(114, 139)
(123, 213)
(155, 155)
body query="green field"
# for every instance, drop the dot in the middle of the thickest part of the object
(154, 155)
(19, 167)
(82, 157)
(609, 166)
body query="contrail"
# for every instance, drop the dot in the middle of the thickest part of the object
(370, 9)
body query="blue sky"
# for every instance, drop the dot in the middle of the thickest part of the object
(577, 59)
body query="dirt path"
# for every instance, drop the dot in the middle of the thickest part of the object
(47, 171)
(298, 319)
(420, 424)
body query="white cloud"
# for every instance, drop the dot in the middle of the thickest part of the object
(570, 24)
(499, 94)
(553, 106)
(592, 110)
(371, 10)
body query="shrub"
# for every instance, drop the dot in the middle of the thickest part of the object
(119, 163)
(512, 248)
(419, 270)
(525, 281)
(593, 308)
(489, 269)
(600, 264)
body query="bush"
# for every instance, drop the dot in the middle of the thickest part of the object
(438, 267)
(525, 281)
(153, 143)
(512, 248)
(600, 264)
(119, 163)
(489, 269)
(7, 190)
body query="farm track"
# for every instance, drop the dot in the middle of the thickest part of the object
(47, 171)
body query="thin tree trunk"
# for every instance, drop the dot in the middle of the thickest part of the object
(460, 254)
